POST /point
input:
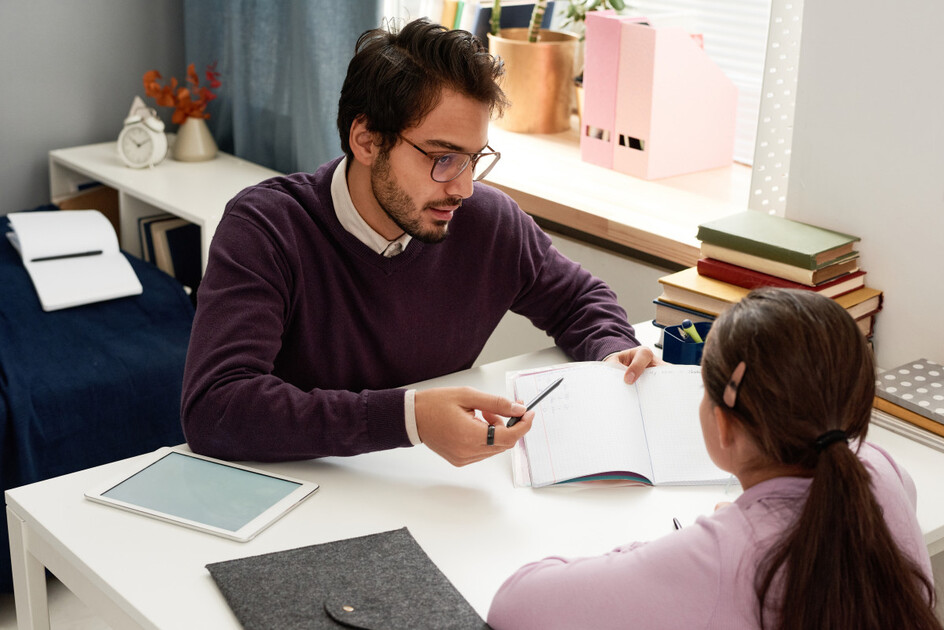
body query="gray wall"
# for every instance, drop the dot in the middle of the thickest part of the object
(868, 159)
(68, 73)
(868, 156)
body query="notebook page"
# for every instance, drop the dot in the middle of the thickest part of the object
(50, 233)
(589, 424)
(74, 281)
(669, 398)
(98, 272)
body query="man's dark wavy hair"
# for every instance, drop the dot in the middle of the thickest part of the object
(396, 78)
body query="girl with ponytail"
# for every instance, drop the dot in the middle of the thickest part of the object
(824, 535)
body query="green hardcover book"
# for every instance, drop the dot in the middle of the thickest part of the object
(777, 238)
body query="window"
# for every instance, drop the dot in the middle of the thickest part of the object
(757, 44)
(735, 35)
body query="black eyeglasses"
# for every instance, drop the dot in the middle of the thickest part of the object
(448, 165)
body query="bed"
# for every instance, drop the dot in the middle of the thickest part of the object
(88, 385)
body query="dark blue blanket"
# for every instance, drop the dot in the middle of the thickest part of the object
(87, 385)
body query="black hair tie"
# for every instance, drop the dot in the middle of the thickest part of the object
(823, 441)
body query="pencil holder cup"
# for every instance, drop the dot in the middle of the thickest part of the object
(679, 349)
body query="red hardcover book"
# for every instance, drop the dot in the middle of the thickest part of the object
(752, 279)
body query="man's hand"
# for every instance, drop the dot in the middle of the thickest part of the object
(636, 360)
(446, 422)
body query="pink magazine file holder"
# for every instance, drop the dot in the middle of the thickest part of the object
(600, 76)
(675, 108)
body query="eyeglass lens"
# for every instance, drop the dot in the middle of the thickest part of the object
(449, 166)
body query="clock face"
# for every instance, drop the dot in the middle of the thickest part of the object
(136, 145)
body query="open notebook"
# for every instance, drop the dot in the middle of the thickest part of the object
(72, 257)
(595, 427)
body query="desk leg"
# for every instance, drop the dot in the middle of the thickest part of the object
(29, 578)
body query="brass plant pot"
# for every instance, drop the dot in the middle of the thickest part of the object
(539, 79)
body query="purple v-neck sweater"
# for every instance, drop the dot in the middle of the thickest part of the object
(303, 335)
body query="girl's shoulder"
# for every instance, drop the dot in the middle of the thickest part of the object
(889, 479)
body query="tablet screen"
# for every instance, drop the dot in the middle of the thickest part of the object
(202, 491)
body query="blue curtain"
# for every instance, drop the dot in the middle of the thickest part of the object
(281, 64)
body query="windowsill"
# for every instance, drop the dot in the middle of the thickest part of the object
(545, 175)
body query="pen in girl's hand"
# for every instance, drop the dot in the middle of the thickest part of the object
(547, 390)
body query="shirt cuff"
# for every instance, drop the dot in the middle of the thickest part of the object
(409, 412)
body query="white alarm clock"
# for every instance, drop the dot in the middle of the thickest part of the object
(142, 141)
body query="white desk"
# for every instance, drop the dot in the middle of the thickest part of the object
(195, 191)
(138, 572)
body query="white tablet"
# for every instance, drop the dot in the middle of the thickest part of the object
(214, 496)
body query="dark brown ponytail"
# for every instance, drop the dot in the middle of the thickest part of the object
(809, 385)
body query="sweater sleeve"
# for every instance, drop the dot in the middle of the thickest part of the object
(235, 405)
(673, 582)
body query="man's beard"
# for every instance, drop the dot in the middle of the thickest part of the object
(399, 206)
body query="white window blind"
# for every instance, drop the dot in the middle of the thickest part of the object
(735, 33)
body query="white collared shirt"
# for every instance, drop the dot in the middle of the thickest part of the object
(353, 222)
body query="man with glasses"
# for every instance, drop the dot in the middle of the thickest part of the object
(324, 293)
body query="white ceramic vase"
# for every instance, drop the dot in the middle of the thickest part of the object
(194, 141)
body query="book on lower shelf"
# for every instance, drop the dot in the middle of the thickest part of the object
(185, 249)
(778, 238)
(173, 245)
(94, 196)
(144, 233)
(595, 427)
(72, 257)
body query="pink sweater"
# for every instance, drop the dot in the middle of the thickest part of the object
(701, 576)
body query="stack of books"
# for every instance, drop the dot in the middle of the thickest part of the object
(173, 245)
(753, 249)
(909, 399)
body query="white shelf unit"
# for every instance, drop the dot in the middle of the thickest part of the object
(195, 191)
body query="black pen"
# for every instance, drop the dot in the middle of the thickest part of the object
(675, 522)
(96, 252)
(547, 390)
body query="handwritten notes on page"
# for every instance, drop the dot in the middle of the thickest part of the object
(594, 426)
